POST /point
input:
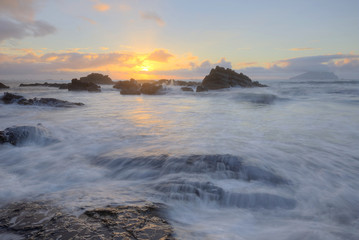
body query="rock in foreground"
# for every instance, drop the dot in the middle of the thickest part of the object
(97, 78)
(42, 221)
(77, 85)
(10, 98)
(3, 85)
(220, 77)
(19, 135)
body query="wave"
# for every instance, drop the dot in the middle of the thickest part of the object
(258, 98)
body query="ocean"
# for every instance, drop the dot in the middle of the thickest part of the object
(280, 162)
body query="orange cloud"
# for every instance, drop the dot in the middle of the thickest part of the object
(101, 7)
(160, 55)
(93, 22)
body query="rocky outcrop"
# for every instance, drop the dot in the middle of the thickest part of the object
(97, 78)
(38, 220)
(187, 89)
(178, 82)
(220, 77)
(132, 87)
(77, 85)
(316, 76)
(3, 86)
(46, 84)
(150, 88)
(10, 98)
(19, 135)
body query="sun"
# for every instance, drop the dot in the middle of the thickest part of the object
(145, 69)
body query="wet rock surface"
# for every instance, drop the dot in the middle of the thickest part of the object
(38, 220)
(220, 77)
(150, 88)
(97, 78)
(10, 98)
(77, 85)
(3, 86)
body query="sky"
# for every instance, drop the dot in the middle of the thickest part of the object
(180, 39)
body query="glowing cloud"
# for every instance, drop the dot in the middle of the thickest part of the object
(160, 55)
(101, 7)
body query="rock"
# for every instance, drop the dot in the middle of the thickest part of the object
(150, 88)
(77, 85)
(10, 98)
(220, 77)
(39, 220)
(128, 87)
(201, 89)
(316, 76)
(185, 83)
(187, 89)
(3, 85)
(97, 78)
(57, 85)
(19, 135)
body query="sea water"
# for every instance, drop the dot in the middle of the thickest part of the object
(280, 162)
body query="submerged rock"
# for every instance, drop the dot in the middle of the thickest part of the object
(201, 89)
(187, 89)
(19, 135)
(97, 78)
(10, 98)
(3, 85)
(46, 84)
(38, 220)
(220, 77)
(77, 85)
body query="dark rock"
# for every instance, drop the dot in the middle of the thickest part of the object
(18, 135)
(150, 88)
(201, 89)
(316, 76)
(38, 220)
(97, 78)
(57, 85)
(10, 98)
(165, 81)
(3, 85)
(220, 77)
(128, 87)
(185, 83)
(77, 85)
(187, 89)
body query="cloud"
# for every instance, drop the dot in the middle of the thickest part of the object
(18, 30)
(303, 49)
(21, 10)
(101, 7)
(152, 16)
(17, 20)
(347, 65)
(160, 55)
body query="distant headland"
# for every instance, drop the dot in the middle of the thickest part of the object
(316, 76)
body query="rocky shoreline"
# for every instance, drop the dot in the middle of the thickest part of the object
(42, 220)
